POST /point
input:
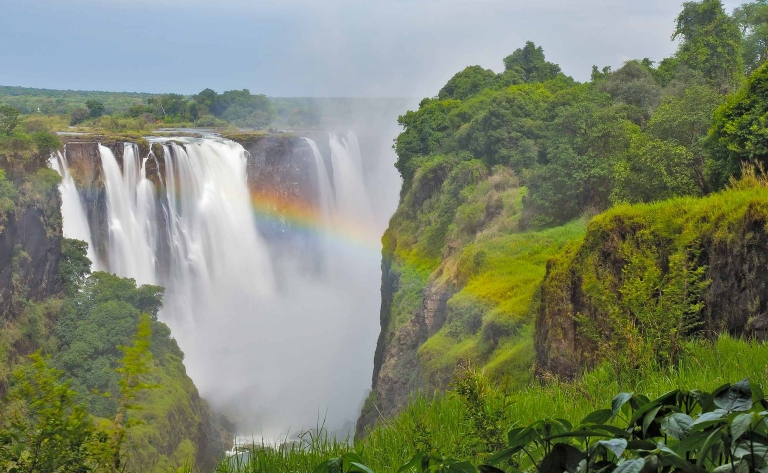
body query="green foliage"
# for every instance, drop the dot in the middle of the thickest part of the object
(585, 143)
(635, 86)
(740, 130)
(711, 43)
(236, 106)
(42, 428)
(9, 119)
(752, 19)
(100, 317)
(655, 169)
(74, 266)
(78, 116)
(443, 428)
(529, 63)
(467, 83)
(95, 108)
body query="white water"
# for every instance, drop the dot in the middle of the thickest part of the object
(72, 210)
(268, 341)
(351, 196)
(131, 216)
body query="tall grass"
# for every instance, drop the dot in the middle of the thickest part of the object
(446, 425)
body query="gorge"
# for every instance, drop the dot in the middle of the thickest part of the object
(268, 253)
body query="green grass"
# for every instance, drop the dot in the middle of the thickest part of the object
(444, 426)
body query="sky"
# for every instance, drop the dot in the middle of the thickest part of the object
(320, 48)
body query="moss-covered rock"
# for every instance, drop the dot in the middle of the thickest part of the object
(644, 276)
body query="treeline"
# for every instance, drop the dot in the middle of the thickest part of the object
(635, 134)
(115, 111)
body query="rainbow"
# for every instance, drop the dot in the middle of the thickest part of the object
(308, 219)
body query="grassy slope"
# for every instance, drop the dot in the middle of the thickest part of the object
(443, 425)
(457, 229)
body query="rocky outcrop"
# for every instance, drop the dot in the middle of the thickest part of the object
(725, 234)
(30, 251)
(397, 371)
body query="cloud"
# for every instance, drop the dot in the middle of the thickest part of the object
(303, 47)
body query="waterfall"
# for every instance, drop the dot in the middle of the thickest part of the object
(351, 196)
(72, 209)
(218, 263)
(262, 334)
(325, 192)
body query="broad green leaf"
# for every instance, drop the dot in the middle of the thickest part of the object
(360, 468)
(489, 469)
(709, 417)
(692, 442)
(738, 467)
(524, 437)
(453, 466)
(744, 448)
(739, 425)
(640, 445)
(713, 438)
(671, 458)
(617, 446)
(598, 417)
(619, 401)
(677, 425)
(503, 455)
(667, 398)
(615, 431)
(649, 418)
(631, 466)
(513, 433)
(578, 434)
(757, 393)
(638, 414)
(563, 457)
(737, 398)
(323, 467)
(413, 463)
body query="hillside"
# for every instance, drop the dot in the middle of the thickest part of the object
(501, 173)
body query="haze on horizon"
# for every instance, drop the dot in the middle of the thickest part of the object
(373, 48)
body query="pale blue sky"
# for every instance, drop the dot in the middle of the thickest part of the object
(312, 47)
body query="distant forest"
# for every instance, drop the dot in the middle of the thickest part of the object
(208, 108)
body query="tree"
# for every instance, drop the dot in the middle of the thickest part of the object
(75, 266)
(585, 143)
(655, 169)
(467, 83)
(711, 43)
(684, 120)
(9, 119)
(752, 19)
(635, 86)
(740, 130)
(95, 108)
(507, 130)
(78, 116)
(530, 64)
(42, 427)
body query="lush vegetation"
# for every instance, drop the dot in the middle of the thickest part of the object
(502, 172)
(105, 386)
(123, 111)
(470, 425)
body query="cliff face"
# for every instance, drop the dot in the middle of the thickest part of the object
(707, 258)
(458, 284)
(30, 241)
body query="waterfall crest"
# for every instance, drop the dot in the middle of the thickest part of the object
(72, 209)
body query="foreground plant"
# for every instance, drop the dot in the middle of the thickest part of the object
(681, 431)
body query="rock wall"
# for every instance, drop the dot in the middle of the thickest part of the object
(30, 251)
(725, 234)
